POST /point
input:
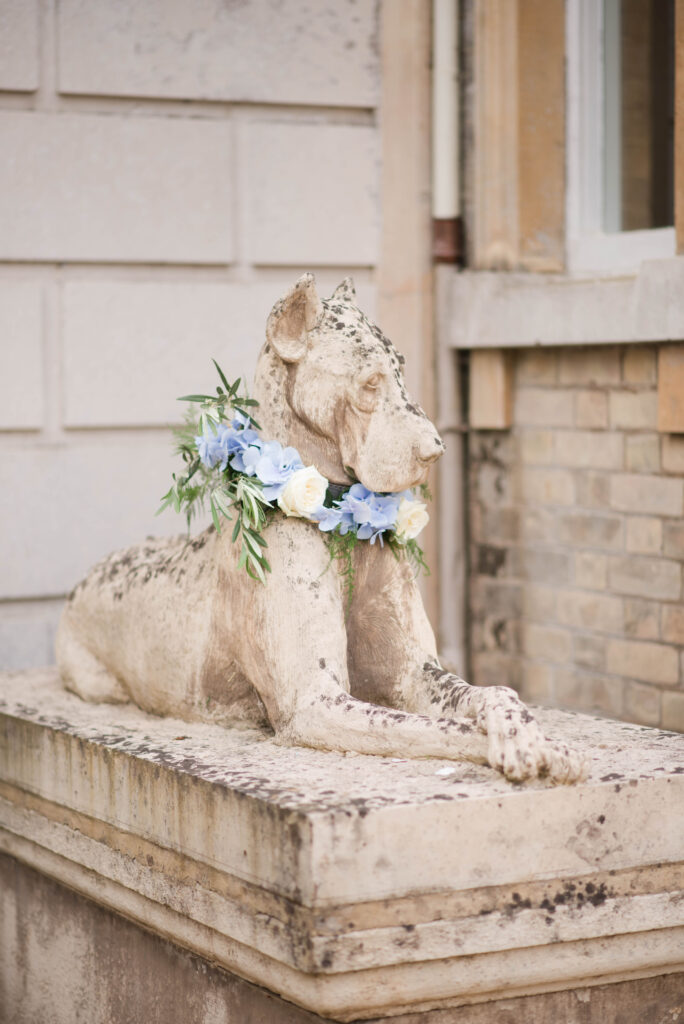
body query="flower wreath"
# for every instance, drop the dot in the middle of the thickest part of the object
(239, 473)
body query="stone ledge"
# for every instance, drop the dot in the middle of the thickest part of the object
(353, 886)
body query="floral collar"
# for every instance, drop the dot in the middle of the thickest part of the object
(249, 478)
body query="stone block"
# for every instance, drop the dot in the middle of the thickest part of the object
(651, 495)
(496, 597)
(536, 446)
(498, 524)
(642, 453)
(672, 709)
(297, 54)
(639, 364)
(673, 623)
(101, 494)
(547, 567)
(673, 539)
(589, 651)
(671, 388)
(547, 642)
(644, 535)
(536, 366)
(642, 618)
(590, 365)
(537, 682)
(633, 410)
(496, 668)
(490, 382)
(313, 194)
(115, 188)
(21, 344)
(305, 871)
(492, 560)
(590, 529)
(27, 633)
(131, 348)
(588, 449)
(642, 704)
(599, 612)
(591, 410)
(673, 453)
(19, 45)
(543, 407)
(547, 486)
(643, 660)
(645, 577)
(539, 602)
(492, 632)
(590, 691)
(593, 489)
(591, 570)
(538, 524)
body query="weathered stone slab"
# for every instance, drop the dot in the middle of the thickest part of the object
(114, 486)
(353, 886)
(115, 188)
(321, 53)
(162, 332)
(19, 45)
(144, 977)
(312, 168)
(21, 339)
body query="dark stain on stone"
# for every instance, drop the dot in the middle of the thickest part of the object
(490, 559)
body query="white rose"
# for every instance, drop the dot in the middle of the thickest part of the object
(412, 516)
(304, 493)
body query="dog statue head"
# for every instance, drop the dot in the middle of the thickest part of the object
(331, 384)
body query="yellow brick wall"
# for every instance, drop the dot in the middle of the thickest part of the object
(577, 538)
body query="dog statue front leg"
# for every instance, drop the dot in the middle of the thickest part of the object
(516, 744)
(337, 721)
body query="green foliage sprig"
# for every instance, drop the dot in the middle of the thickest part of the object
(232, 494)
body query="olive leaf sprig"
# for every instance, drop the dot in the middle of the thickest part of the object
(228, 493)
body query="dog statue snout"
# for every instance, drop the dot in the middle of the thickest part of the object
(429, 448)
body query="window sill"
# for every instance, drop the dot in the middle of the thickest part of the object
(611, 255)
(481, 309)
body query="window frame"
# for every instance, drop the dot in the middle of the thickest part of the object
(589, 248)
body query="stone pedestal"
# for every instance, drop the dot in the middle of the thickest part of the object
(342, 887)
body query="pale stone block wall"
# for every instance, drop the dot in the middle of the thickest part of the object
(578, 538)
(169, 170)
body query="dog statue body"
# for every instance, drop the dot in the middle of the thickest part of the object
(176, 626)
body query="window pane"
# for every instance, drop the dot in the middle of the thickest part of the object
(639, 114)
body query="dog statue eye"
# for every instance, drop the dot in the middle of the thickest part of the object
(373, 383)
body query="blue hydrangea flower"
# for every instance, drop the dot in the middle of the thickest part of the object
(240, 421)
(272, 464)
(216, 449)
(329, 519)
(371, 513)
(206, 447)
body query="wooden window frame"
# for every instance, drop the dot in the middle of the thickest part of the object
(589, 248)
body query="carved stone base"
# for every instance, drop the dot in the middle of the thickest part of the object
(352, 887)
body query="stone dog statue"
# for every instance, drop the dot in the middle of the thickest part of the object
(175, 626)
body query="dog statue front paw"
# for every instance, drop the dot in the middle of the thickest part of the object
(518, 747)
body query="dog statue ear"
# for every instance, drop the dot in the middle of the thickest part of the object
(345, 292)
(292, 318)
